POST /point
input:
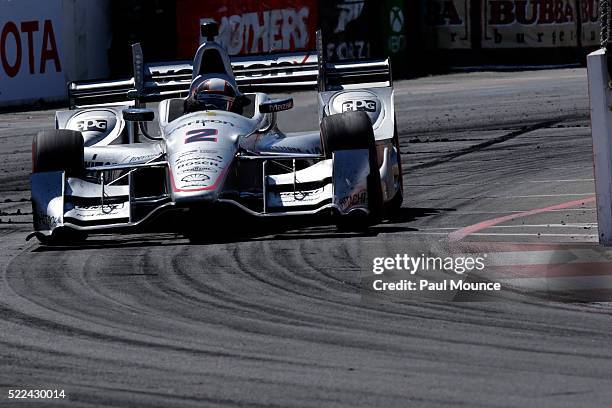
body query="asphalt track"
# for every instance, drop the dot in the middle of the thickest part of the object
(490, 158)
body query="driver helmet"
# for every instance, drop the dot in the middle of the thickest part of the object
(211, 94)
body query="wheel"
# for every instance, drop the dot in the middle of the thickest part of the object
(218, 224)
(59, 150)
(63, 237)
(393, 206)
(348, 131)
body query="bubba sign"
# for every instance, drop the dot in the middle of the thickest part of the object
(590, 22)
(529, 23)
(30, 51)
(446, 23)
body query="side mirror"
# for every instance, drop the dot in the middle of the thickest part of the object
(138, 115)
(276, 105)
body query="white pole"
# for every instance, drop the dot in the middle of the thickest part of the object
(601, 127)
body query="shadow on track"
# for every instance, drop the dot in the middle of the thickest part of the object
(257, 230)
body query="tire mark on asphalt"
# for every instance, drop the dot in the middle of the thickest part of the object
(483, 145)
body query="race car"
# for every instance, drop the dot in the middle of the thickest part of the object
(103, 170)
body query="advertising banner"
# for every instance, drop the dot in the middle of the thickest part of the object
(446, 24)
(394, 27)
(529, 23)
(31, 65)
(351, 29)
(591, 30)
(249, 26)
(45, 44)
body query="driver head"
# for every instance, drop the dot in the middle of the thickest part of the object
(211, 94)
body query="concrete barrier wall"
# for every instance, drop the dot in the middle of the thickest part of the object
(45, 44)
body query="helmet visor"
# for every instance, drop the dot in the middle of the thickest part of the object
(206, 101)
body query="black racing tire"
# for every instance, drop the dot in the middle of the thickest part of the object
(58, 150)
(347, 131)
(393, 206)
(63, 237)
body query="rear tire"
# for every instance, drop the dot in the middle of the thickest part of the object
(59, 150)
(349, 131)
(393, 206)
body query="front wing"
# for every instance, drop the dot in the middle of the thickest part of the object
(339, 183)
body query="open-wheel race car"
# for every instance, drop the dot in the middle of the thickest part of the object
(102, 169)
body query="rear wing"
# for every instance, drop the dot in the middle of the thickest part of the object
(172, 80)
(259, 73)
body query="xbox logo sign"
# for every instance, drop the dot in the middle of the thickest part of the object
(396, 19)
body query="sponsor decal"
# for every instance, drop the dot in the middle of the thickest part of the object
(194, 156)
(363, 101)
(97, 163)
(197, 162)
(201, 135)
(366, 105)
(94, 211)
(144, 158)
(203, 122)
(354, 200)
(89, 125)
(302, 196)
(284, 66)
(278, 107)
(284, 149)
(195, 185)
(42, 219)
(197, 169)
(195, 177)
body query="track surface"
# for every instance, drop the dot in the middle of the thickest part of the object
(153, 321)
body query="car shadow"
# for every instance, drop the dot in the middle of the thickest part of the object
(314, 229)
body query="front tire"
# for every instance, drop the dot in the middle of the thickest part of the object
(349, 131)
(59, 150)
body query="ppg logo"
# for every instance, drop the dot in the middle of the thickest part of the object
(365, 105)
(89, 125)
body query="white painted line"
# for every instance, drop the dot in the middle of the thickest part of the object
(514, 211)
(544, 195)
(493, 234)
(535, 235)
(583, 226)
(577, 166)
(546, 257)
(586, 195)
(561, 181)
(560, 284)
